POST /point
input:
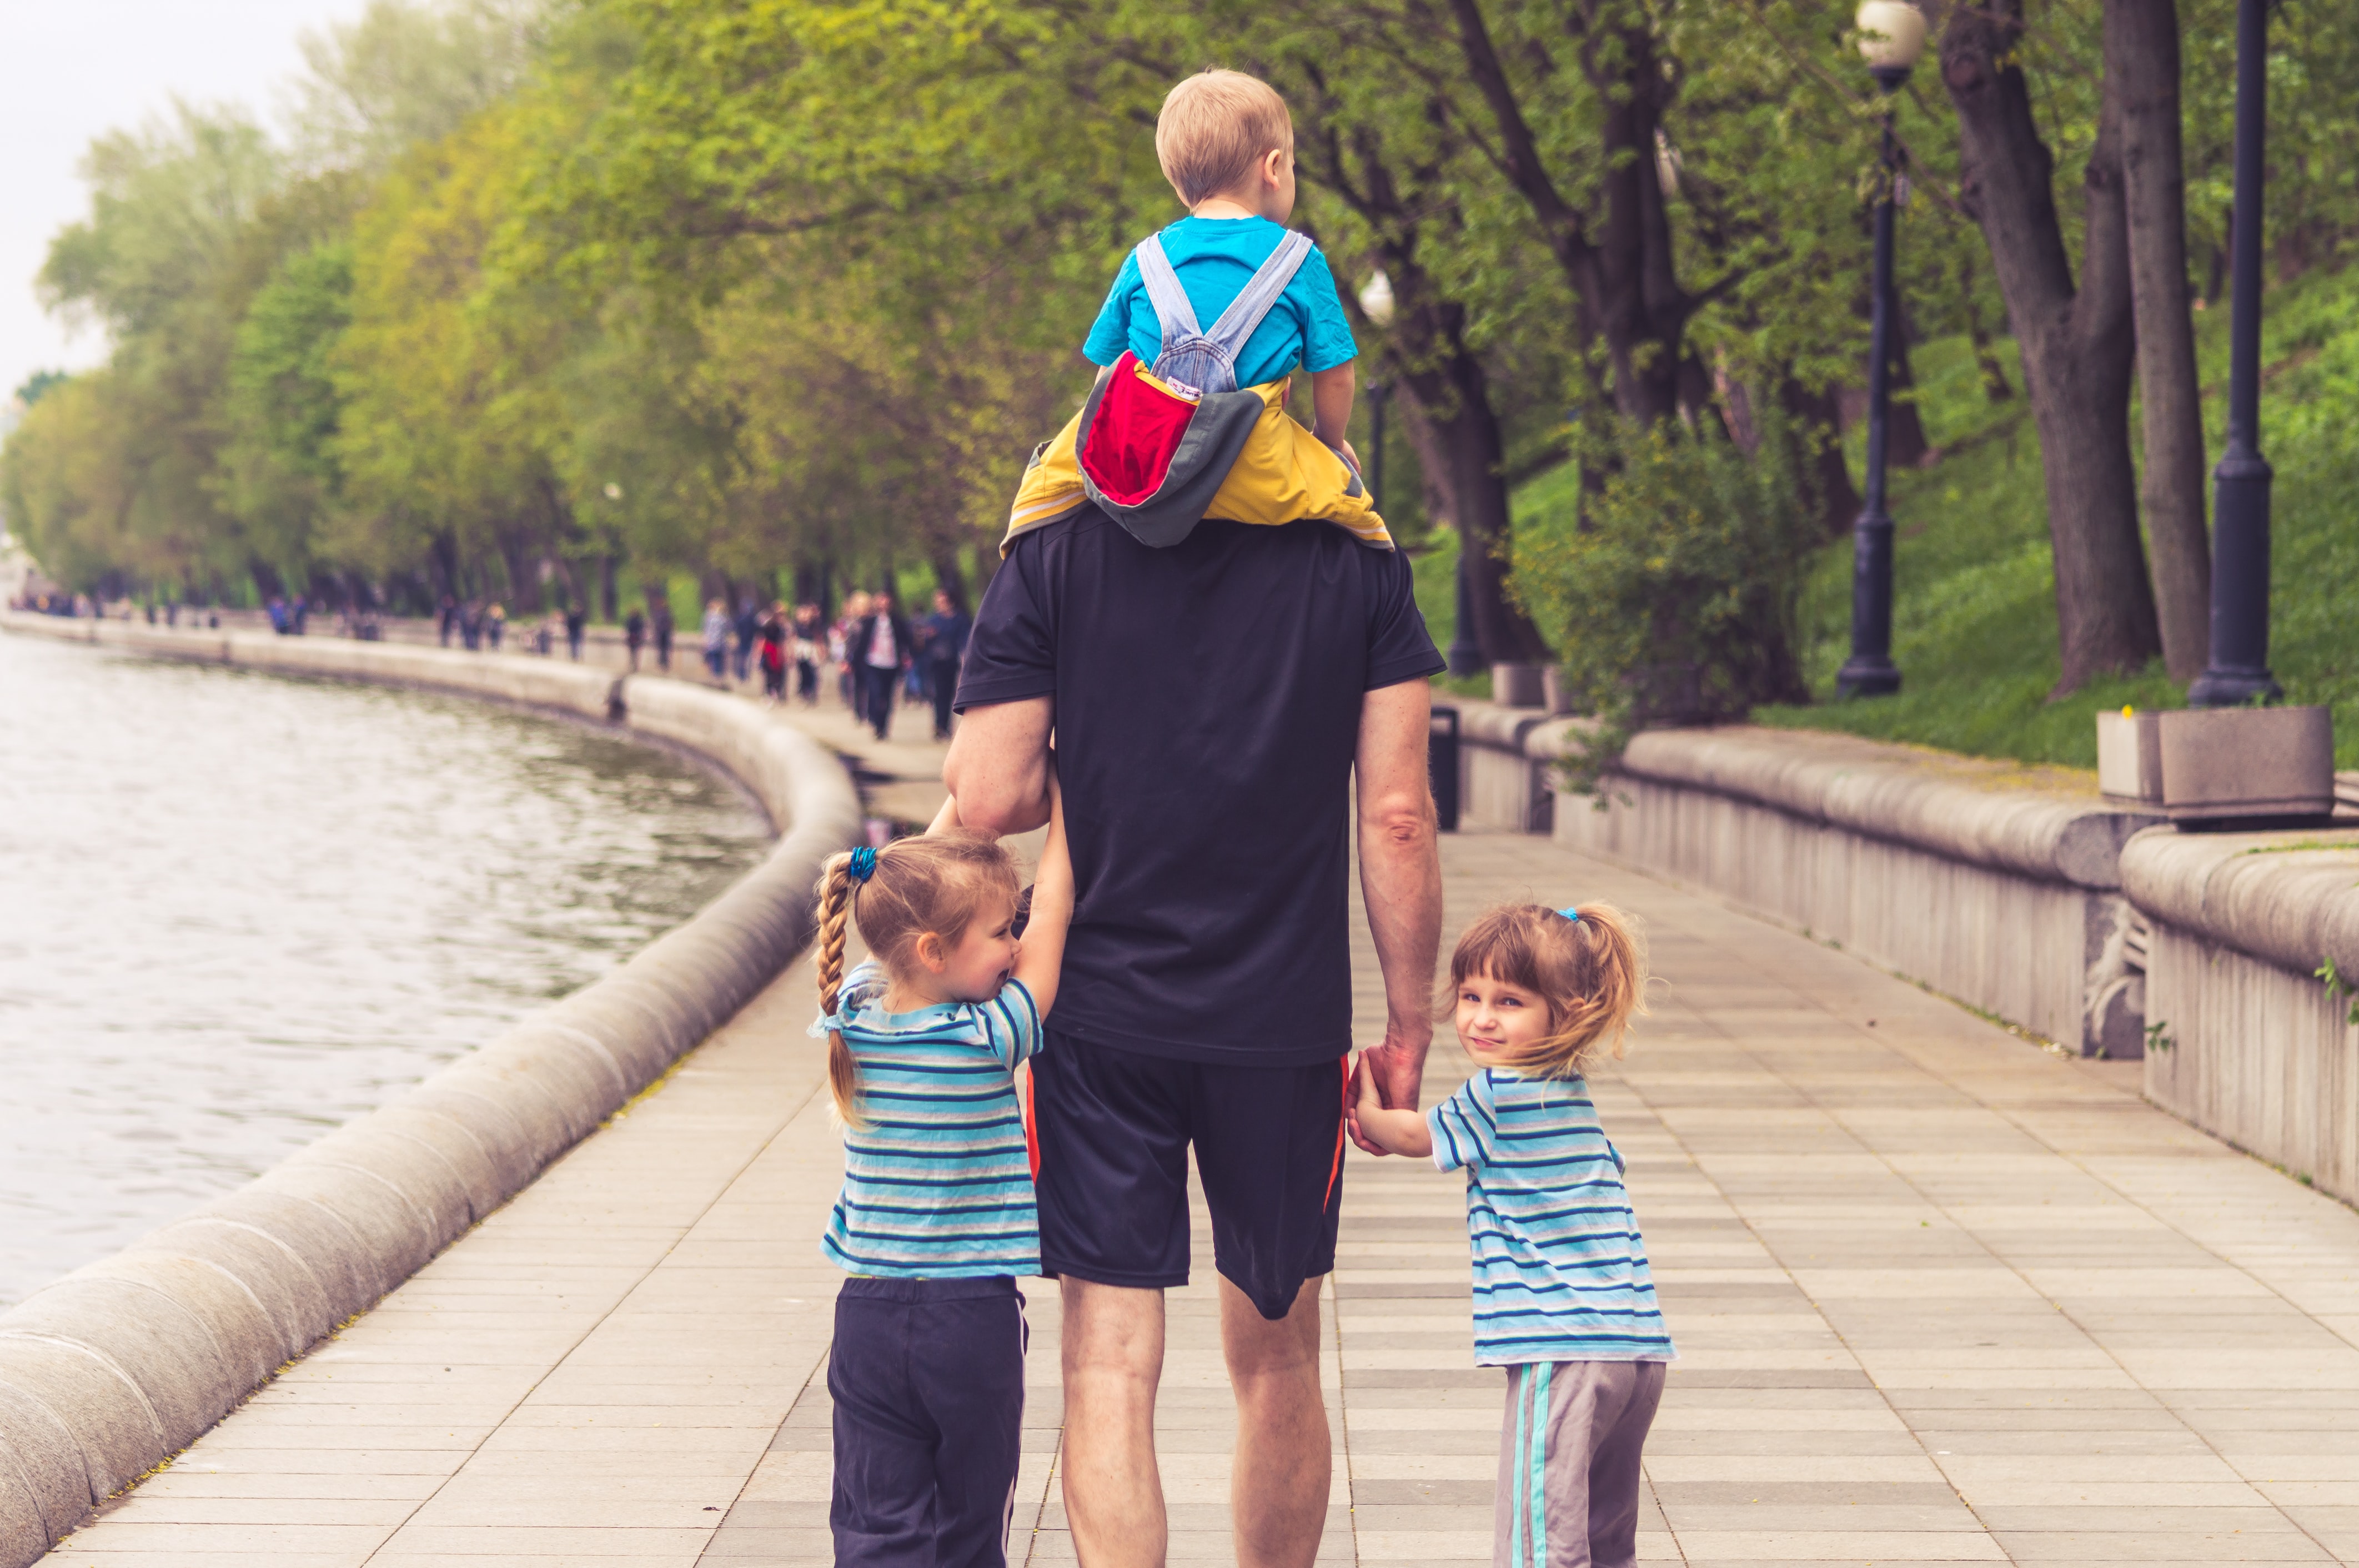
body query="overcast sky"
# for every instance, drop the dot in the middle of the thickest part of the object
(72, 69)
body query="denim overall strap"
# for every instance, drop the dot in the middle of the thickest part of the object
(1203, 362)
(1254, 301)
(1172, 309)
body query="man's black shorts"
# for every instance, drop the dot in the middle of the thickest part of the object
(1114, 1129)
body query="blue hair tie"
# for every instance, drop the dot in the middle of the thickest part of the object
(863, 862)
(1571, 913)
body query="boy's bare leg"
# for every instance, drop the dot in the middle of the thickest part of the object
(1284, 1465)
(1113, 1363)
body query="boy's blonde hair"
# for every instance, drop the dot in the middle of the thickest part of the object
(935, 886)
(1215, 127)
(1592, 971)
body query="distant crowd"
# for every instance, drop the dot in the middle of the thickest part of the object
(875, 655)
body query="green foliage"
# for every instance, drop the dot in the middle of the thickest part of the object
(39, 385)
(1670, 592)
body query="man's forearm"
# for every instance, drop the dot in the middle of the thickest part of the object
(1400, 880)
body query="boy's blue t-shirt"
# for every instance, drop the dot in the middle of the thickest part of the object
(1215, 257)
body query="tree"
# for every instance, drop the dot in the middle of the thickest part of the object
(2141, 61)
(2076, 337)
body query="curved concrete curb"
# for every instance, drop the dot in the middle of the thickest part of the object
(2290, 898)
(118, 1366)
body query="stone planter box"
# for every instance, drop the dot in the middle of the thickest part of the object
(1520, 685)
(2224, 764)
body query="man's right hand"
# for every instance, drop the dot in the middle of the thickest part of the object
(1397, 1071)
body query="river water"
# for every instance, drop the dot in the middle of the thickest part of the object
(238, 910)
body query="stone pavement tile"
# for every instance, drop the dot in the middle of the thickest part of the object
(2054, 1549)
(346, 1543)
(1870, 1546)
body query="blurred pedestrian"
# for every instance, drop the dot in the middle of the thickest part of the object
(634, 636)
(748, 627)
(574, 619)
(771, 631)
(945, 640)
(661, 624)
(496, 624)
(716, 641)
(449, 619)
(810, 647)
(838, 652)
(881, 651)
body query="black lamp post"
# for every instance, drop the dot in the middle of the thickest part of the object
(2239, 669)
(1892, 35)
(1378, 393)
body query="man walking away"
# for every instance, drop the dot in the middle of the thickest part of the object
(663, 630)
(1218, 703)
(879, 655)
(634, 636)
(946, 635)
(748, 627)
(574, 621)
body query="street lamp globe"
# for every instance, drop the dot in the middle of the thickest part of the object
(1376, 299)
(1891, 35)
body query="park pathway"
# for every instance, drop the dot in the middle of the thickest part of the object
(1940, 1296)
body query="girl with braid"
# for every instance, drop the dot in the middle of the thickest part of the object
(1563, 1299)
(937, 1219)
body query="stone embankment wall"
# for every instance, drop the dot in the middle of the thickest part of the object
(2249, 1042)
(1994, 883)
(2016, 890)
(118, 1366)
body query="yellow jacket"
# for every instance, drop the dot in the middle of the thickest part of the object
(1243, 459)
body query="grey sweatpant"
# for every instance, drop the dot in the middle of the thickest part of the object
(1568, 1452)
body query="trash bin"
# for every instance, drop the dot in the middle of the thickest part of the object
(1441, 766)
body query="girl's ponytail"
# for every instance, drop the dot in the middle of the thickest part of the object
(1614, 988)
(834, 919)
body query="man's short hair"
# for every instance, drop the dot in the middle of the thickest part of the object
(1216, 125)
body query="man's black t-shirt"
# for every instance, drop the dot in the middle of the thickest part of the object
(1208, 709)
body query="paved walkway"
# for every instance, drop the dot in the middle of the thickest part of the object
(1941, 1297)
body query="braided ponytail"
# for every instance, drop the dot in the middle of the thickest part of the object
(911, 888)
(834, 920)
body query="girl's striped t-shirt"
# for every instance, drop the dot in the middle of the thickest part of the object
(938, 1178)
(1560, 1270)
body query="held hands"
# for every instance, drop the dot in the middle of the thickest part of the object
(1383, 1117)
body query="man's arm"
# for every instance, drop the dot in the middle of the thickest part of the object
(1400, 879)
(997, 769)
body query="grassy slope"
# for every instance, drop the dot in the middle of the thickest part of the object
(1974, 618)
(1975, 623)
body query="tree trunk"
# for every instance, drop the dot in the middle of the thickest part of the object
(1462, 451)
(1446, 398)
(2076, 342)
(1820, 432)
(2142, 56)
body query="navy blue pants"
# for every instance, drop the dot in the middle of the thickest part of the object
(928, 1378)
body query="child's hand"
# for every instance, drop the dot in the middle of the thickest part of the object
(1364, 1095)
(1344, 449)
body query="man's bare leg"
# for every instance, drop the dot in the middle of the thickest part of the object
(1277, 1488)
(1112, 1362)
